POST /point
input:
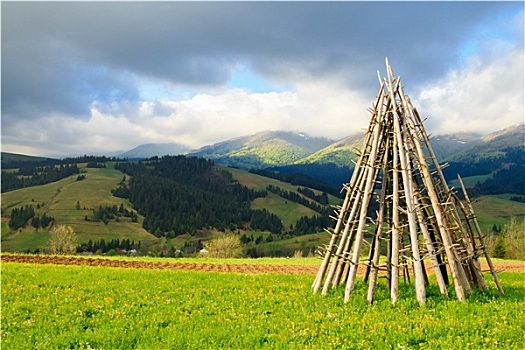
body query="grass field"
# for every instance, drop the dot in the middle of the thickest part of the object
(81, 307)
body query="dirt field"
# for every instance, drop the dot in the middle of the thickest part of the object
(514, 266)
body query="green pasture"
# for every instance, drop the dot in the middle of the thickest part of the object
(497, 209)
(81, 307)
(258, 182)
(470, 181)
(288, 211)
(306, 244)
(59, 199)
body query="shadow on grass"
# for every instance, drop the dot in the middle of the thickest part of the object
(513, 287)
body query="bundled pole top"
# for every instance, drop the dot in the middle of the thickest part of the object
(398, 196)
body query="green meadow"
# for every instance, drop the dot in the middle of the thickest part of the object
(81, 307)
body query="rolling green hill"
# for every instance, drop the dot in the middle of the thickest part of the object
(13, 160)
(341, 153)
(61, 200)
(263, 149)
(69, 201)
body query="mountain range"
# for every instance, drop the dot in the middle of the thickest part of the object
(284, 149)
(154, 149)
(281, 148)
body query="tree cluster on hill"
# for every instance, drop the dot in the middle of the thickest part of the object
(245, 239)
(508, 242)
(111, 212)
(91, 159)
(289, 174)
(41, 162)
(178, 195)
(35, 176)
(518, 199)
(306, 225)
(319, 198)
(95, 165)
(510, 179)
(42, 221)
(482, 164)
(20, 218)
(103, 246)
(294, 197)
(264, 220)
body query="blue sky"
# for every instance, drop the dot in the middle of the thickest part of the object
(91, 77)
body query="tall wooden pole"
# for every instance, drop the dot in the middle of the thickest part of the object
(370, 170)
(480, 237)
(409, 197)
(458, 274)
(377, 237)
(395, 232)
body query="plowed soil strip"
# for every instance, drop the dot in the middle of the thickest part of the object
(239, 268)
(514, 266)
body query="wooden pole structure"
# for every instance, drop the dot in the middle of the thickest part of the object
(480, 237)
(376, 251)
(417, 216)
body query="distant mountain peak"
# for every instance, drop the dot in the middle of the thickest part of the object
(149, 150)
(511, 132)
(267, 148)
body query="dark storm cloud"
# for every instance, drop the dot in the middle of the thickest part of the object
(63, 56)
(83, 67)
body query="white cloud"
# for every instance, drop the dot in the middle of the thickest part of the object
(482, 97)
(319, 108)
(200, 73)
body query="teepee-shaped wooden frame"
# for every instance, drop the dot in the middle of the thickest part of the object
(418, 217)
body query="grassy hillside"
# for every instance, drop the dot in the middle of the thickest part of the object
(497, 209)
(342, 152)
(469, 181)
(59, 199)
(288, 211)
(62, 199)
(13, 157)
(259, 182)
(263, 149)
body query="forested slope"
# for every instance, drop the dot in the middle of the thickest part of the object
(180, 195)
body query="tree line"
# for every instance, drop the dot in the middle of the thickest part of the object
(510, 179)
(294, 197)
(41, 162)
(20, 218)
(286, 174)
(110, 212)
(104, 247)
(319, 198)
(35, 176)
